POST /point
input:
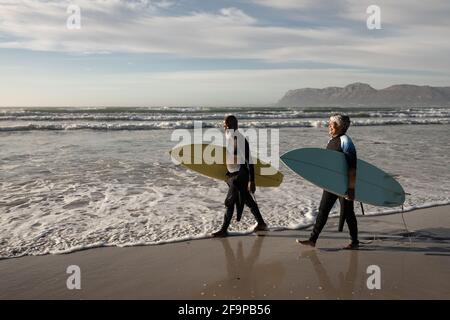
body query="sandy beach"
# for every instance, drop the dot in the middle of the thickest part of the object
(97, 201)
(269, 266)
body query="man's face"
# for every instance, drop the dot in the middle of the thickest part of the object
(333, 128)
(225, 125)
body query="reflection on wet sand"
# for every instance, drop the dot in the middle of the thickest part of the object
(246, 277)
(345, 288)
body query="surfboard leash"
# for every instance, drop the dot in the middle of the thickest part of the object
(404, 222)
(362, 208)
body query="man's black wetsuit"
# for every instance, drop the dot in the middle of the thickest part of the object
(238, 193)
(343, 144)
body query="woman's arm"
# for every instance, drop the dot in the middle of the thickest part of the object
(350, 156)
(351, 183)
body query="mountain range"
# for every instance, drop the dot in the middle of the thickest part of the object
(362, 94)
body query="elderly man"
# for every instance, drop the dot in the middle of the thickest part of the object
(240, 179)
(337, 128)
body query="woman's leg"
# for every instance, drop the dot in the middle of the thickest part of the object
(326, 203)
(350, 217)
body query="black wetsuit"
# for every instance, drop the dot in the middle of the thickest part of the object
(238, 193)
(343, 144)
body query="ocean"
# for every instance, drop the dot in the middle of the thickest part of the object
(76, 178)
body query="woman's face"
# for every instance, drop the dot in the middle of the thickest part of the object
(333, 128)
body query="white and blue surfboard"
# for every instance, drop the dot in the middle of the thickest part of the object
(327, 169)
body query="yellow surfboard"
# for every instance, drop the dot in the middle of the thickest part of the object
(209, 160)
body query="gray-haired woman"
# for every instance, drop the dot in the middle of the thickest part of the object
(337, 128)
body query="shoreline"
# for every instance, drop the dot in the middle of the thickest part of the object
(231, 234)
(265, 266)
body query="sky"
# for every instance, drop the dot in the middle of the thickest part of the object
(213, 53)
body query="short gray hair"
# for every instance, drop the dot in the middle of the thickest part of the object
(342, 121)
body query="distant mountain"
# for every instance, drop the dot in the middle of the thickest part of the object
(362, 94)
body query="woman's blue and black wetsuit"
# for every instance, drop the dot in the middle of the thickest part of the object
(341, 143)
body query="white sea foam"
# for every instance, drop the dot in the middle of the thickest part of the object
(189, 124)
(70, 190)
(12, 119)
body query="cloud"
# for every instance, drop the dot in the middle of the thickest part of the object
(114, 25)
(401, 15)
(412, 39)
(293, 4)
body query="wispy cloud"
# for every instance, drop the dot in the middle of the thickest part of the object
(146, 26)
(316, 34)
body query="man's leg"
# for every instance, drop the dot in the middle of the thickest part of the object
(227, 218)
(254, 209)
(230, 201)
(350, 217)
(326, 204)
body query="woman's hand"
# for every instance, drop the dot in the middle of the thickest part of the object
(350, 194)
(251, 186)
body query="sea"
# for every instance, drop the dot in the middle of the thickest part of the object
(77, 178)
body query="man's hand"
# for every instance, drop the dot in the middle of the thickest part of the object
(251, 186)
(350, 194)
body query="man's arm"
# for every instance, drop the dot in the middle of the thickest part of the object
(235, 151)
(251, 168)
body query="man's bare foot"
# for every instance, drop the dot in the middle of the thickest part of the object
(306, 243)
(260, 227)
(220, 234)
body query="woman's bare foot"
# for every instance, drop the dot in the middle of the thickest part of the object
(352, 246)
(260, 227)
(306, 243)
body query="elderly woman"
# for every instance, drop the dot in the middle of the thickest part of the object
(337, 128)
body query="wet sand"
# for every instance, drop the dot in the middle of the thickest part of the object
(270, 265)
